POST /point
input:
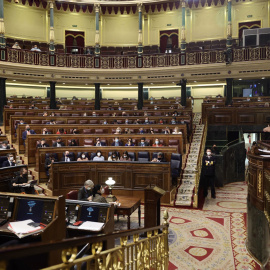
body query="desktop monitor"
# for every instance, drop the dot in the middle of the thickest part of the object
(36, 209)
(4, 206)
(93, 213)
(247, 92)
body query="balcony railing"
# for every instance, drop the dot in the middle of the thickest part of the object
(132, 61)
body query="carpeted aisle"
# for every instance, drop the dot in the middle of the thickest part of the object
(212, 238)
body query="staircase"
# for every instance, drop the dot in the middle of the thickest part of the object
(188, 187)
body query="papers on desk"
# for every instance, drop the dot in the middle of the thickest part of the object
(22, 228)
(265, 151)
(91, 226)
(265, 156)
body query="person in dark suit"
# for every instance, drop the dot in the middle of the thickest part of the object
(85, 192)
(10, 162)
(67, 157)
(45, 131)
(58, 143)
(4, 145)
(19, 184)
(143, 142)
(27, 131)
(117, 142)
(208, 164)
(42, 144)
(48, 164)
(99, 142)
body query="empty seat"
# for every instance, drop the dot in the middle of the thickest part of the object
(22, 107)
(174, 142)
(72, 195)
(2, 159)
(93, 121)
(143, 156)
(176, 164)
(65, 114)
(76, 140)
(99, 131)
(83, 121)
(71, 121)
(88, 142)
(59, 122)
(75, 114)
(29, 113)
(35, 121)
(18, 113)
(44, 121)
(87, 131)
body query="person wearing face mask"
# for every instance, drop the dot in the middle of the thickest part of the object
(73, 143)
(98, 157)
(4, 145)
(10, 162)
(141, 131)
(126, 122)
(104, 122)
(113, 157)
(157, 143)
(85, 192)
(129, 142)
(83, 157)
(97, 194)
(117, 142)
(99, 142)
(27, 131)
(151, 131)
(58, 143)
(208, 163)
(143, 143)
(125, 157)
(146, 121)
(118, 131)
(67, 157)
(19, 184)
(42, 144)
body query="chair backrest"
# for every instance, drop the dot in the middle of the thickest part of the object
(175, 167)
(2, 159)
(143, 156)
(132, 156)
(87, 131)
(35, 121)
(88, 142)
(65, 114)
(93, 121)
(70, 121)
(59, 122)
(83, 121)
(72, 195)
(99, 131)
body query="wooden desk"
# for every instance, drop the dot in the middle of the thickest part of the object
(127, 207)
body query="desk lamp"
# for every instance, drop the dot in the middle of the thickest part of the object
(110, 182)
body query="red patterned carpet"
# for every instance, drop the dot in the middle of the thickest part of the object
(212, 238)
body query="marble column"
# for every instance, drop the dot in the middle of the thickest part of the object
(183, 84)
(140, 37)
(97, 35)
(140, 96)
(2, 25)
(51, 48)
(229, 91)
(3, 99)
(52, 95)
(183, 28)
(229, 34)
(97, 96)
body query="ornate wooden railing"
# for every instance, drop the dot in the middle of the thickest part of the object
(151, 252)
(132, 61)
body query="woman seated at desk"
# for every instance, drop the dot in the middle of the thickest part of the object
(21, 184)
(97, 194)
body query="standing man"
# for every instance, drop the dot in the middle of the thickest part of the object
(209, 162)
(85, 192)
(27, 131)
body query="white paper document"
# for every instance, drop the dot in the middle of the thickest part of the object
(265, 151)
(91, 226)
(21, 227)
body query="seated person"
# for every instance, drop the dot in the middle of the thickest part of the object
(52, 114)
(97, 194)
(99, 142)
(137, 121)
(125, 157)
(117, 142)
(135, 108)
(45, 114)
(35, 49)
(105, 122)
(141, 131)
(167, 131)
(143, 142)
(16, 46)
(85, 192)
(75, 131)
(58, 143)
(27, 131)
(145, 114)
(84, 114)
(175, 113)
(126, 121)
(45, 131)
(159, 158)
(10, 162)
(61, 131)
(157, 143)
(146, 121)
(82, 157)
(151, 131)
(127, 131)
(119, 108)
(74, 98)
(52, 122)
(176, 130)
(4, 145)
(19, 184)
(98, 156)
(48, 164)
(73, 143)
(42, 143)
(94, 114)
(173, 121)
(129, 142)
(118, 131)
(113, 157)
(161, 121)
(124, 114)
(67, 157)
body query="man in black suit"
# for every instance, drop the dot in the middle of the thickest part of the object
(208, 163)
(27, 131)
(67, 157)
(58, 143)
(117, 142)
(99, 142)
(48, 164)
(4, 145)
(42, 144)
(143, 142)
(85, 192)
(9, 162)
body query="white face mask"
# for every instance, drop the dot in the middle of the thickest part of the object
(125, 156)
(157, 142)
(98, 154)
(88, 188)
(83, 156)
(208, 153)
(11, 158)
(4, 146)
(102, 190)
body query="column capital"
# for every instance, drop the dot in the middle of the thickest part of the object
(51, 3)
(97, 8)
(183, 3)
(229, 1)
(140, 6)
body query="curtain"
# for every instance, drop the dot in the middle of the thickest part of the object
(247, 25)
(168, 39)
(74, 40)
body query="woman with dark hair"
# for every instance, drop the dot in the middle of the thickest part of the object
(73, 143)
(97, 194)
(114, 156)
(125, 157)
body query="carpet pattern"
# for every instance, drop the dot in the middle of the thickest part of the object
(208, 239)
